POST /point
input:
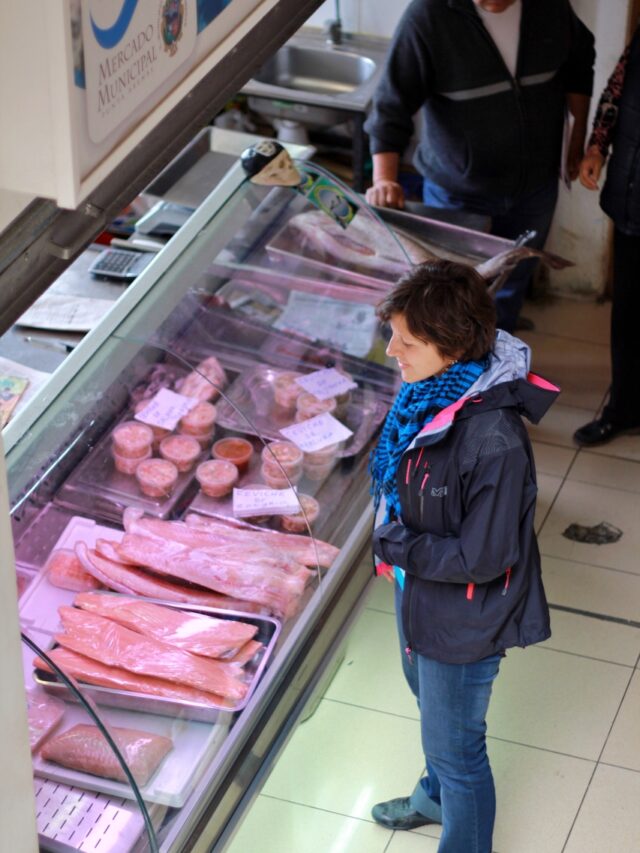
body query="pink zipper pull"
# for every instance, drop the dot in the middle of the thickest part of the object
(507, 580)
(471, 587)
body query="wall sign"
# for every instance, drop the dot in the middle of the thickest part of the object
(130, 48)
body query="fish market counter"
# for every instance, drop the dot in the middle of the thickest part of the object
(190, 511)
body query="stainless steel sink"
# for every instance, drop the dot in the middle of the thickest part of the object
(316, 69)
(310, 75)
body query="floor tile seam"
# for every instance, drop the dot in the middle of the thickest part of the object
(547, 648)
(580, 805)
(615, 717)
(592, 614)
(601, 485)
(598, 763)
(362, 820)
(545, 749)
(380, 610)
(415, 719)
(544, 553)
(619, 766)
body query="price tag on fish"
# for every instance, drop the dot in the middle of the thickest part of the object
(326, 383)
(166, 409)
(249, 502)
(317, 432)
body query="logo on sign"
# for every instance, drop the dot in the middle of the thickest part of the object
(108, 37)
(171, 23)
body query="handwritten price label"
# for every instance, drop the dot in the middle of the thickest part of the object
(166, 409)
(317, 432)
(248, 502)
(326, 383)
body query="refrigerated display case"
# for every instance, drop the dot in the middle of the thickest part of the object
(221, 317)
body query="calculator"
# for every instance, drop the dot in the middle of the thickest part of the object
(122, 264)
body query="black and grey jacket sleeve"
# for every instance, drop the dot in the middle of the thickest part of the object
(487, 543)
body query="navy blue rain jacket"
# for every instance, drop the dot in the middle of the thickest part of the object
(466, 539)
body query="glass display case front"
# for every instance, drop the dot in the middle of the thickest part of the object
(186, 507)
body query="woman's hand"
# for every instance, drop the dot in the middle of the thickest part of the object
(386, 193)
(591, 168)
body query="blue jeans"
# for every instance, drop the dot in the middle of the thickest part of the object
(510, 217)
(458, 790)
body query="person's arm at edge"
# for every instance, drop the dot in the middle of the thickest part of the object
(603, 124)
(386, 191)
(578, 106)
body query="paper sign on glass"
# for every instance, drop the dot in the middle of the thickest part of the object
(248, 502)
(316, 433)
(166, 409)
(326, 383)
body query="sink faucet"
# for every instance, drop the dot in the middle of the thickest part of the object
(333, 28)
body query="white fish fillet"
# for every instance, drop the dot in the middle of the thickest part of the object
(107, 642)
(309, 552)
(93, 672)
(85, 748)
(193, 632)
(254, 581)
(131, 580)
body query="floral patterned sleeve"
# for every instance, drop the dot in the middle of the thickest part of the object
(607, 111)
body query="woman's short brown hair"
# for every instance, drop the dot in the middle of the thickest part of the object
(445, 304)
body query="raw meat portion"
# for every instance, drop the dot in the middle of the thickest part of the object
(359, 245)
(259, 579)
(123, 576)
(44, 714)
(93, 672)
(65, 570)
(258, 551)
(85, 748)
(102, 640)
(309, 552)
(246, 653)
(193, 632)
(205, 381)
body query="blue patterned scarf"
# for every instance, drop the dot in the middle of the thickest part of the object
(417, 403)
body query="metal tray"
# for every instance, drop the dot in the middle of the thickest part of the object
(96, 487)
(268, 631)
(252, 393)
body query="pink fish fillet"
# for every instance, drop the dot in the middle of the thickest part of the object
(109, 643)
(133, 581)
(254, 549)
(309, 552)
(93, 672)
(65, 570)
(246, 653)
(85, 748)
(233, 575)
(193, 632)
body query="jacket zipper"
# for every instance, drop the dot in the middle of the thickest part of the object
(507, 581)
(516, 91)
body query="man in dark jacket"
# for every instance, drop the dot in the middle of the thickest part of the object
(494, 79)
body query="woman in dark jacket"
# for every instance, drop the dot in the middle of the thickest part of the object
(616, 126)
(455, 492)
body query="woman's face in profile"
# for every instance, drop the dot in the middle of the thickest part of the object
(416, 358)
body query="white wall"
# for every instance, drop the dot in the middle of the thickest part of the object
(580, 230)
(375, 17)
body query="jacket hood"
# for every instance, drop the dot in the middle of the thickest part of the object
(507, 383)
